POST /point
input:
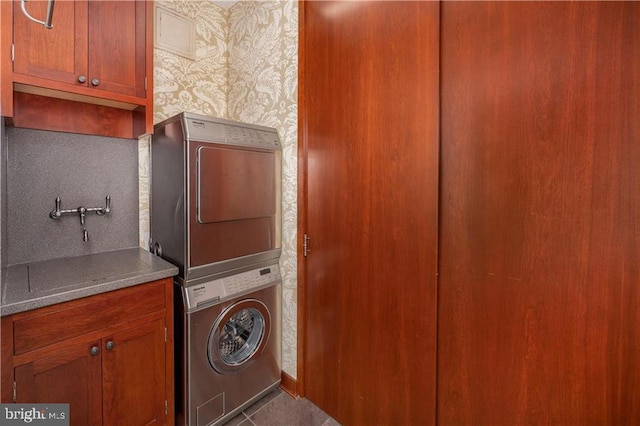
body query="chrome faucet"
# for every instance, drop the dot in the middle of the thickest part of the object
(81, 211)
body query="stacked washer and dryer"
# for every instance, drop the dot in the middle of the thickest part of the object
(215, 213)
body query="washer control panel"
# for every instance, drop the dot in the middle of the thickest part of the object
(228, 287)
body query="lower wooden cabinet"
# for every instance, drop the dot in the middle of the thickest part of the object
(118, 372)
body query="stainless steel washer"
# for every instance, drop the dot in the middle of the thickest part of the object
(231, 352)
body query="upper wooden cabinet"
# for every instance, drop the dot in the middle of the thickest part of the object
(95, 64)
(96, 45)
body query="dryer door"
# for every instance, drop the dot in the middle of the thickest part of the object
(238, 336)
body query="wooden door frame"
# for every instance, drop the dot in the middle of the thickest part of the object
(302, 204)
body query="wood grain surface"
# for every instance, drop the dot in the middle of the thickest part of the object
(540, 214)
(369, 111)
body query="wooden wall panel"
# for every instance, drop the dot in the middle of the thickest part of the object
(540, 214)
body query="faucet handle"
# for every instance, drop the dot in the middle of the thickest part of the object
(56, 213)
(107, 207)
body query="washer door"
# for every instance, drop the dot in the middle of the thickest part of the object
(238, 336)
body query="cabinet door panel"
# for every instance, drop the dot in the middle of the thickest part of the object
(117, 46)
(134, 376)
(59, 53)
(71, 376)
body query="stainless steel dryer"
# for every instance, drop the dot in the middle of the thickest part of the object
(230, 333)
(215, 195)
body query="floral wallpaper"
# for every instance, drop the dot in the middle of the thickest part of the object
(263, 81)
(199, 86)
(246, 70)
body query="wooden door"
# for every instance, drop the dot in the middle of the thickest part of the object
(58, 54)
(117, 46)
(134, 376)
(369, 143)
(540, 214)
(71, 376)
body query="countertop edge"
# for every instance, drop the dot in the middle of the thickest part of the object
(159, 269)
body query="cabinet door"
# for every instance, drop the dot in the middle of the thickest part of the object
(117, 46)
(72, 375)
(59, 53)
(134, 376)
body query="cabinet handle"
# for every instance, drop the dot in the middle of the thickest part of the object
(95, 350)
(95, 82)
(82, 79)
(47, 23)
(110, 345)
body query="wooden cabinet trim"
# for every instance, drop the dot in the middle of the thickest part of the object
(46, 326)
(44, 351)
(38, 86)
(72, 117)
(85, 300)
(169, 352)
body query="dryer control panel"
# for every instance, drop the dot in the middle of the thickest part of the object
(215, 291)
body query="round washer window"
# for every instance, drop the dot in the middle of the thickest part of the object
(238, 336)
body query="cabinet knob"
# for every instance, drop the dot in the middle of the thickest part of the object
(95, 82)
(82, 79)
(110, 345)
(95, 350)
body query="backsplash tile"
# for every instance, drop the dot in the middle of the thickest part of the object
(82, 170)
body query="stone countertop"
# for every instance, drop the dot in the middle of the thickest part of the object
(34, 285)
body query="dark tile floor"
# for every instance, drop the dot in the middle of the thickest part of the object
(279, 409)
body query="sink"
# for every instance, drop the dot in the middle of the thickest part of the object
(57, 274)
